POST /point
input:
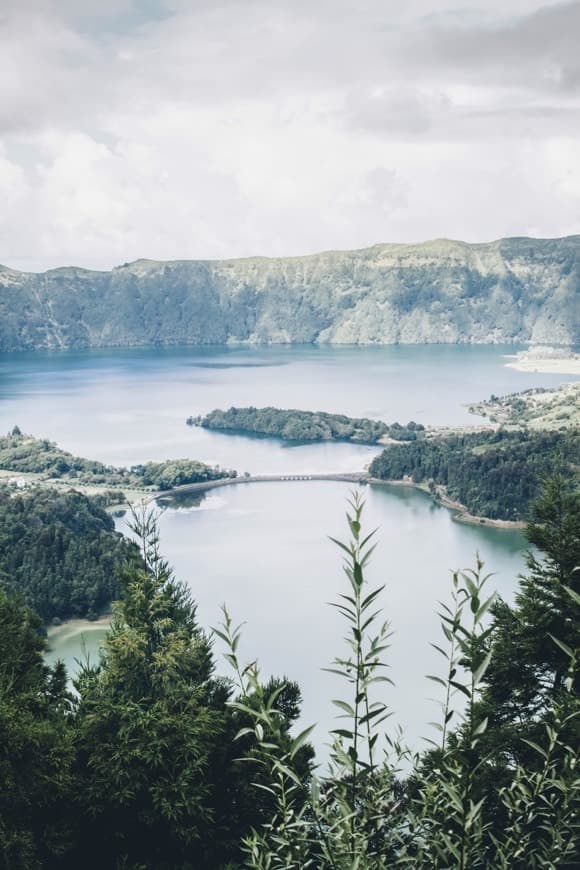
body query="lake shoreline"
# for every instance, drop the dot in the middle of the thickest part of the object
(545, 359)
(459, 511)
(69, 628)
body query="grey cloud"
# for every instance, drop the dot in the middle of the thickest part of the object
(224, 51)
(228, 127)
(539, 50)
(396, 111)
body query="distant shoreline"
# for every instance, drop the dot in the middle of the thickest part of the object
(70, 627)
(548, 366)
(548, 360)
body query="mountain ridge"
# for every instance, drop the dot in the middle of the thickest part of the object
(443, 240)
(509, 290)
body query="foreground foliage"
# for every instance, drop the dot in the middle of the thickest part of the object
(159, 784)
(35, 745)
(465, 804)
(159, 763)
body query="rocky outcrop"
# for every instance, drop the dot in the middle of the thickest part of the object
(512, 290)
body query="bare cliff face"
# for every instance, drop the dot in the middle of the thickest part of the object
(512, 290)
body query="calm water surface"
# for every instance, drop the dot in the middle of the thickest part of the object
(129, 406)
(263, 548)
(75, 642)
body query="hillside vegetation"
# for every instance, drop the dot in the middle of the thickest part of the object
(536, 408)
(156, 763)
(60, 552)
(493, 474)
(511, 290)
(25, 455)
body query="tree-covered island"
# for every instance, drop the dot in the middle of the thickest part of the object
(295, 425)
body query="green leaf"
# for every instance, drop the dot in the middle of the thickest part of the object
(343, 732)
(354, 527)
(372, 715)
(573, 595)
(242, 732)
(341, 545)
(485, 607)
(562, 645)
(480, 671)
(460, 688)
(273, 697)
(300, 740)
(439, 650)
(366, 602)
(436, 680)
(342, 705)
(481, 728)
(535, 746)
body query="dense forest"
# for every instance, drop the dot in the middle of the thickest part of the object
(494, 474)
(155, 763)
(294, 425)
(60, 552)
(23, 454)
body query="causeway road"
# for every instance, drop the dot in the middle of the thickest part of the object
(351, 477)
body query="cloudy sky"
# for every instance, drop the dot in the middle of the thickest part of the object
(225, 128)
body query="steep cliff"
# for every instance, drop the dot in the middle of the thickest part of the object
(512, 290)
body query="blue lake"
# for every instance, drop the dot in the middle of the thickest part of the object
(263, 548)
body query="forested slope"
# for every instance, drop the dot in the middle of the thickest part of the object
(60, 552)
(494, 474)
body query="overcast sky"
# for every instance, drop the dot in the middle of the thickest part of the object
(225, 128)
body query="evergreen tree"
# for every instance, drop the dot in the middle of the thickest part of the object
(159, 776)
(35, 745)
(148, 717)
(532, 639)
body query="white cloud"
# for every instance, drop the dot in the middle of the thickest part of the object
(227, 128)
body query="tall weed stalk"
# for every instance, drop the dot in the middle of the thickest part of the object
(362, 814)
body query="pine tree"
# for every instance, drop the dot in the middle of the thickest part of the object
(160, 782)
(529, 664)
(149, 716)
(35, 745)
